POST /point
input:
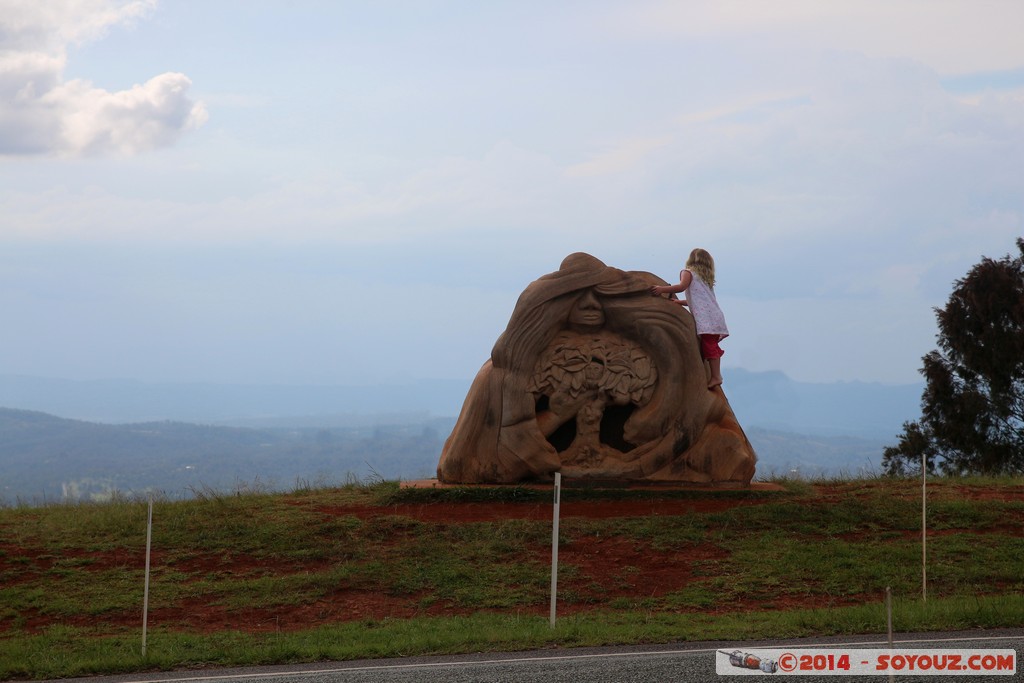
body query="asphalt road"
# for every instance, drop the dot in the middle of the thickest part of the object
(678, 662)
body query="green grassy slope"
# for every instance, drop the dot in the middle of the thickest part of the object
(379, 571)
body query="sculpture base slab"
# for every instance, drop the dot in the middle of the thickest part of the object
(574, 483)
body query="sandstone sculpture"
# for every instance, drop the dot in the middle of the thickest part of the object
(595, 378)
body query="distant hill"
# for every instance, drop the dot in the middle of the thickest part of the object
(47, 458)
(810, 457)
(769, 400)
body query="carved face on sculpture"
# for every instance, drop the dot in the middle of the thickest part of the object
(587, 314)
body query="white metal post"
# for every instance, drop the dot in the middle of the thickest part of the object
(924, 529)
(888, 613)
(554, 546)
(145, 597)
(888, 620)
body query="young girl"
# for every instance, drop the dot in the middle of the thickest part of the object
(697, 279)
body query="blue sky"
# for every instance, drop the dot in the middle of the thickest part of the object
(357, 192)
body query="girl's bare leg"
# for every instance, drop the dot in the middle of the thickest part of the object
(716, 372)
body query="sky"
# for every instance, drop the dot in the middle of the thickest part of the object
(319, 192)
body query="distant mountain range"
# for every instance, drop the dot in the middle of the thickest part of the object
(48, 458)
(869, 410)
(769, 400)
(132, 436)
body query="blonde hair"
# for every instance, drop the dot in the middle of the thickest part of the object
(702, 265)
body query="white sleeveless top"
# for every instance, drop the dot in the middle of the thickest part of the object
(704, 306)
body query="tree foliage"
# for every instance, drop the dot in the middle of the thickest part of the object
(972, 417)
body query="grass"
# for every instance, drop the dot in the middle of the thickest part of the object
(812, 559)
(63, 651)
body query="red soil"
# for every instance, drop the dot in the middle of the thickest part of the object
(461, 513)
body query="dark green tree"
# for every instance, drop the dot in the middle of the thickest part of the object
(972, 408)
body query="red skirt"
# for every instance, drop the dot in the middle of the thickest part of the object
(709, 347)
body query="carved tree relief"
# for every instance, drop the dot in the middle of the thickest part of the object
(585, 388)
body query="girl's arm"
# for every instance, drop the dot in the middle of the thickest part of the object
(685, 278)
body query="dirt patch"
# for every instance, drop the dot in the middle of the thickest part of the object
(463, 513)
(23, 565)
(607, 568)
(345, 605)
(1000, 493)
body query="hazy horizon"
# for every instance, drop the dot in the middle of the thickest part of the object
(764, 399)
(392, 382)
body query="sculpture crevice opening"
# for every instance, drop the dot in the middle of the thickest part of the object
(613, 427)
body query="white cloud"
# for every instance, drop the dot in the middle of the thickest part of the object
(130, 121)
(53, 24)
(40, 113)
